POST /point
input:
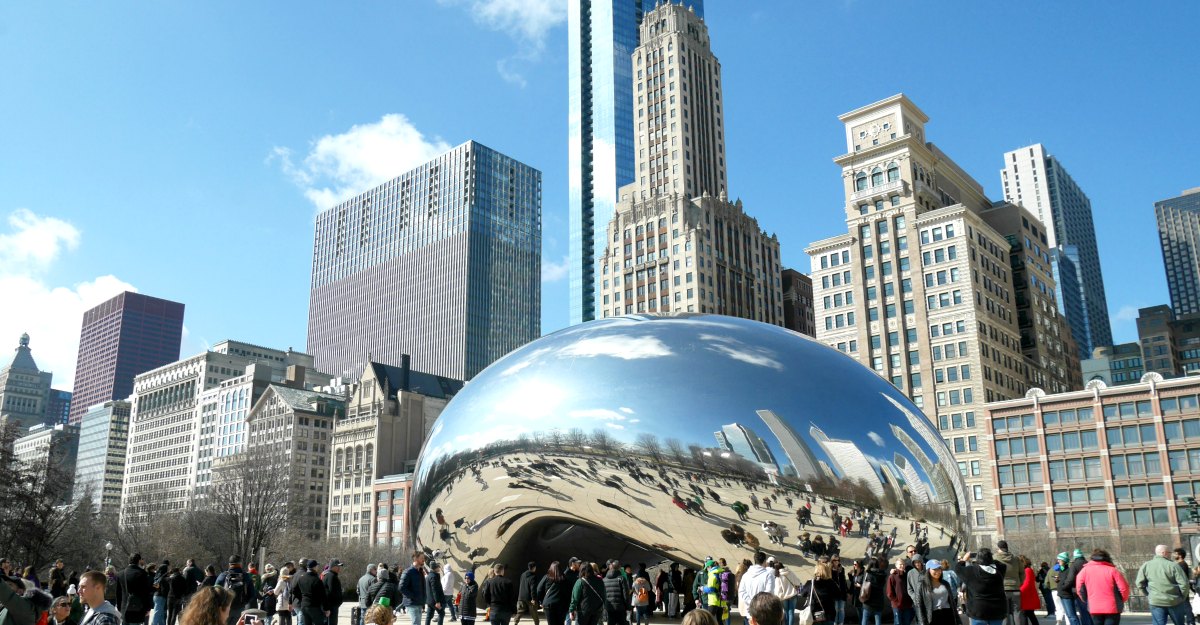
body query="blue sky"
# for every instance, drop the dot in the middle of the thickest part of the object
(181, 149)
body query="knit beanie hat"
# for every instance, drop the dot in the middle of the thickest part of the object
(1063, 556)
(1077, 554)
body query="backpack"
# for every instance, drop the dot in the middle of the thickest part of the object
(726, 590)
(864, 595)
(643, 595)
(235, 582)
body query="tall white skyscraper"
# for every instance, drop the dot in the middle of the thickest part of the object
(1037, 180)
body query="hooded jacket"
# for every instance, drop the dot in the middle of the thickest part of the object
(18, 609)
(449, 579)
(756, 579)
(1031, 599)
(1163, 582)
(386, 584)
(1098, 583)
(616, 591)
(984, 584)
(1012, 570)
(897, 590)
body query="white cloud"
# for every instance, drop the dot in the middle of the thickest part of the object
(51, 314)
(342, 165)
(623, 347)
(526, 21)
(553, 272)
(1127, 313)
(876, 438)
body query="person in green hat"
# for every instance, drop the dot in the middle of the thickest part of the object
(1074, 605)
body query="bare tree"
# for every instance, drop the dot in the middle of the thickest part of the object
(677, 450)
(650, 446)
(252, 499)
(576, 438)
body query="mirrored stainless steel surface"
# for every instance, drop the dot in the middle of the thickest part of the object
(674, 438)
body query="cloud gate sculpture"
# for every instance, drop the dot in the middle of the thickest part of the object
(654, 439)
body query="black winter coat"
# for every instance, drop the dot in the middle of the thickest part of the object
(386, 584)
(135, 592)
(333, 590)
(552, 594)
(434, 593)
(470, 593)
(310, 591)
(500, 594)
(616, 592)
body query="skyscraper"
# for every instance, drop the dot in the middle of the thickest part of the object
(24, 389)
(103, 433)
(922, 287)
(675, 242)
(128, 335)
(1037, 180)
(744, 442)
(602, 35)
(1179, 234)
(442, 262)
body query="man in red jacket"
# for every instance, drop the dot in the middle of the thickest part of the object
(897, 594)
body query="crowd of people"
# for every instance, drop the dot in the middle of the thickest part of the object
(981, 588)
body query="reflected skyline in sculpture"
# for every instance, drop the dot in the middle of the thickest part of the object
(645, 435)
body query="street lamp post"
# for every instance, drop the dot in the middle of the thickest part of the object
(108, 554)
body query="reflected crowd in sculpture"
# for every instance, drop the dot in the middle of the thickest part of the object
(674, 438)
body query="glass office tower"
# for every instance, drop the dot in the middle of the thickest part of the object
(442, 263)
(1179, 234)
(602, 35)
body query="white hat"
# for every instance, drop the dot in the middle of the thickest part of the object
(71, 590)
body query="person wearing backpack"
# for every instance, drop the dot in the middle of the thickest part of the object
(872, 594)
(642, 599)
(237, 581)
(135, 590)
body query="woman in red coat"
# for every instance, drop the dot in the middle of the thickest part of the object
(1104, 588)
(1030, 600)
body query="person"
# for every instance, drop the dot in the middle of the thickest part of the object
(616, 595)
(449, 587)
(587, 596)
(177, 591)
(527, 594)
(897, 594)
(642, 599)
(237, 581)
(268, 600)
(871, 583)
(500, 595)
(912, 579)
(60, 612)
(1043, 585)
(1181, 559)
(1104, 587)
(58, 579)
(211, 606)
(18, 610)
(412, 588)
(379, 614)
(470, 593)
(385, 586)
(364, 589)
(92, 585)
(1075, 606)
(935, 602)
(787, 585)
(699, 617)
(134, 592)
(1014, 574)
(194, 575)
(210, 576)
(283, 593)
(1165, 586)
(333, 591)
(310, 592)
(435, 597)
(838, 575)
(765, 609)
(983, 581)
(1030, 597)
(820, 593)
(161, 590)
(757, 578)
(554, 593)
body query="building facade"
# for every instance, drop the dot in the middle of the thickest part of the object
(1105, 465)
(100, 462)
(1179, 235)
(601, 37)
(443, 262)
(1035, 179)
(798, 303)
(120, 339)
(294, 428)
(58, 406)
(389, 413)
(1170, 344)
(1114, 365)
(51, 450)
(24, 389)
(923, 289)
(391, 504)
(676, 243)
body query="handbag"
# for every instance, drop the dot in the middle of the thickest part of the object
(808, 615)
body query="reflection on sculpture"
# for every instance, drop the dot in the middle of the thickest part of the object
(675, 438)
